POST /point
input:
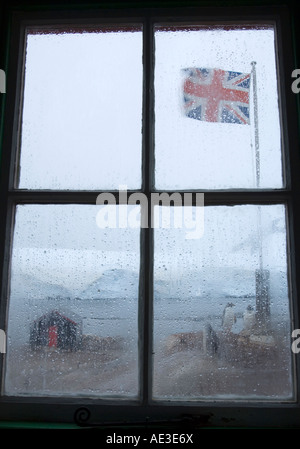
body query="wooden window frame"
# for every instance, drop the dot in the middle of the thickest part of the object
(87, 411)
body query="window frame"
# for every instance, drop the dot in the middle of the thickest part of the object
(91, 411)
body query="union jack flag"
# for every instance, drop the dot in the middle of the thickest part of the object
(215, 95)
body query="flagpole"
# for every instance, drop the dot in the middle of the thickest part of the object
(257, 156)
(256, 136)
(262, 276)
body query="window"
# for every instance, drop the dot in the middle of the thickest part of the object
(125, 297)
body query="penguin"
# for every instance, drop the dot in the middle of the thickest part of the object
(211, 341)
(229, 317)
(249, 319)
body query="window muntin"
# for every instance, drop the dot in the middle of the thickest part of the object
(204, 153)
(82, 111)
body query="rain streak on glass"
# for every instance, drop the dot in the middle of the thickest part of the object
(210, 131)
(82, 110)
(222, 321)
(72, 323)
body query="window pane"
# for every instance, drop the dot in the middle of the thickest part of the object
(81, 123)
(206, 132)
(72, 324)
(222, 324)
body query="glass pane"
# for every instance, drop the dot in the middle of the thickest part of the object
(222, 323)
(81, 122)
(213, 128)
(72, 323)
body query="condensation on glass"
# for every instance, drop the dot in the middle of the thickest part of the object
(222, 321)
(72, 321)
(217, 120)
(82, 110)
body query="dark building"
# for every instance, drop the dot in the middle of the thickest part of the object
(57, 330)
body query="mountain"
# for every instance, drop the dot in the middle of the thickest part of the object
(207, 283)
(27, 286)
(113, 284)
